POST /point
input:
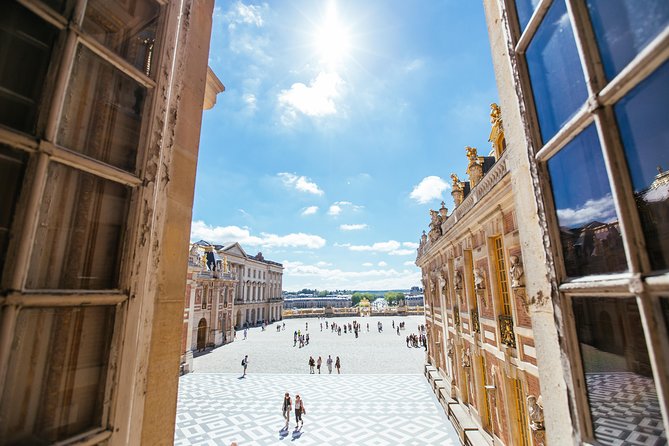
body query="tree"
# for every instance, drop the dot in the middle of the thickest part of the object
(358, 296)
(393, 297)
(323, 293)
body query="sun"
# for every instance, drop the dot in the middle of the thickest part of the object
(332, 39)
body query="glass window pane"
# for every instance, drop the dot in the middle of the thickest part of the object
(55, 385)
(555, 70)
(127, 27)
(79, 239)
(525, 9)
(618, 376)
(624, 27)
(102, 116)
(26, 42)
(644, 129)
(589, 230)
(12, 167)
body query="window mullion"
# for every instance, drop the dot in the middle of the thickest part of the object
(90, 165)
(113, 59)
(60, 86)
(29, 226)
(622, 191)
(45, 13)
(580, 120)
(532, 26)
(595, 79)
(645, 63)
(8, 315)
(658, 346)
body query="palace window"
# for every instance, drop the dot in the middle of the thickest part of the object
(76, 94)
(594, 77)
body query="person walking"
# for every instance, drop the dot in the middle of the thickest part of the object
(329, 364)
(287, 407)
(299, 411)
(312, 363)
(245, 363)
(246, 332)
(318, 364)
(337, 364)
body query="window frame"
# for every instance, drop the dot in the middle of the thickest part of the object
(43, 150)
(640, 281)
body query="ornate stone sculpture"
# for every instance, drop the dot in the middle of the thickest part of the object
(457, 280)
(466, 358)
(495, 114)
(203, 262)
(458, 192)
(497, 131)
(479, 279)
(535, 411)
(475, 167)
(443, 212)
(517, 273)
(226, 267)
(435, 225)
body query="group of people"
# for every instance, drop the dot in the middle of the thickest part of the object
(300, 337)
(318, 363)
(299, 410)
(418, 340)
(351, 327)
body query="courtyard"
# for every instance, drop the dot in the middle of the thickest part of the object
(380, 398)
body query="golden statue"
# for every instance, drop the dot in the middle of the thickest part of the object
(456, 180)
(472, 154)
(497, 131)
(203, 260)
(225, 265)
(495, 114)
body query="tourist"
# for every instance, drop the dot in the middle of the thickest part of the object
(321, 326)
(337, 365)
(294, 339)
(299, 411)
(367, 327)
(287, 407)
(329, 364)
(318, 364)
(245, 363)
(246, 332)
(307, 338)
(398, 330)
(312, 363)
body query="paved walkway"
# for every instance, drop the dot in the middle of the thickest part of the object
(381, 397)
(273, 352)
(217, 409)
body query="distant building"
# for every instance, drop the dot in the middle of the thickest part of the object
(308, 301)
(414, 300)
(379, 304)
(258, 297)
(209, 306)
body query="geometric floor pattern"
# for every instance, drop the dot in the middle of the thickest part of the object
(625, 409)
(219, 408)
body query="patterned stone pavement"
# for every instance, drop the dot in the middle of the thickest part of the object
(381, 397)
(219, 408)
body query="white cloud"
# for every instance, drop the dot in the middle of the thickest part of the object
(335, 209)
(402, 252)
(354, 227)
(430, 188)
(602, 210)
(409, 263)
(391, 247)
(250, 101)
(382, 263)
(316, 100)
(222, 234)
(414, 65)
(301, 183)
(297, 275)
(322, 263)
(410, 245)
(311, 210)
(247, 14)
(368, 264)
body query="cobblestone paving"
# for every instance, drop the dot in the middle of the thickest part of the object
(273, 352)
(381, 397)
(217, 409)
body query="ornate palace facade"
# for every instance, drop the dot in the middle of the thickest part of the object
(481, 356)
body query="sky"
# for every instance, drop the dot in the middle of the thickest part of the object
(338, 130)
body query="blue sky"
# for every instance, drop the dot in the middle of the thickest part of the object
(338, 130)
